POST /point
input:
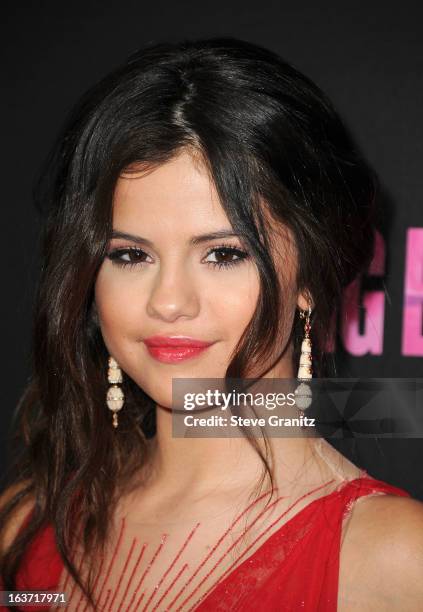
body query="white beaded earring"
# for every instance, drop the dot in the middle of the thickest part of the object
(115, 396)
(305, 372)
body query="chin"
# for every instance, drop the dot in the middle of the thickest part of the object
(161, 396)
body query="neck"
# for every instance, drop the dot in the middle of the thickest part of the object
(201, 465)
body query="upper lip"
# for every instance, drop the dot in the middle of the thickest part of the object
(175, 341)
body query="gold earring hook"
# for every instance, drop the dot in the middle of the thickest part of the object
(305, 314)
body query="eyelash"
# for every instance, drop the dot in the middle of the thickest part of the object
(115, 254)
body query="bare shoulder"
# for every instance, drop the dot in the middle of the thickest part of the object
(11, 527)
(381, 560)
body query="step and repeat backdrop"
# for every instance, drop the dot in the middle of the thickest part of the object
(369, 61)
(365, 320)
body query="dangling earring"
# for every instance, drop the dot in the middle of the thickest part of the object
(305, 372)
(115, 395)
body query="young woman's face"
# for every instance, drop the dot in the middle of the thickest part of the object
(163, 277)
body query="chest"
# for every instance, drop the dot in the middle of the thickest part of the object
(174, 568)
(177, 566)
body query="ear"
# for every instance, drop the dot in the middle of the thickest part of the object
(94, 313)
(304, 300)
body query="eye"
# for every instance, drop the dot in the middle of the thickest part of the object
(225, 255)
(129, 256)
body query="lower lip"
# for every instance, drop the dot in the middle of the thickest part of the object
(167, 354)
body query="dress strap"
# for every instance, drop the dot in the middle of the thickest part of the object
(366, 485)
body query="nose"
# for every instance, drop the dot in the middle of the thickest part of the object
(173, 294)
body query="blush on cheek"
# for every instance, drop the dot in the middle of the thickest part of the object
(110, 299)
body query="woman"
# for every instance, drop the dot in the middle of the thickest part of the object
(206, 208)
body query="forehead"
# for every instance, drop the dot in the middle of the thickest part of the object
(175, 194)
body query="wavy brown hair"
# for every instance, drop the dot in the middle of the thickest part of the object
(275, 149)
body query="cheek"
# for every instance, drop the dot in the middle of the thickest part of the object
(118, 307)
(232, 303)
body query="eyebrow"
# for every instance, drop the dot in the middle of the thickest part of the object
(194, 240)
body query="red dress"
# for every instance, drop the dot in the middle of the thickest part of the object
(295, 568)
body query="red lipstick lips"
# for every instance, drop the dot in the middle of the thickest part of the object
(175, 348)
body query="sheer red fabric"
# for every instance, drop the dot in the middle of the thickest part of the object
(295, 568)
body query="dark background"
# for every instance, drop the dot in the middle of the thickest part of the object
(368, 56)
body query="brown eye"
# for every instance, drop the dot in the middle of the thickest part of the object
(225, 256)
(125, 257)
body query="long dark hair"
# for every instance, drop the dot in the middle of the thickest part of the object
(276, 150)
